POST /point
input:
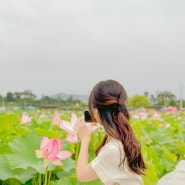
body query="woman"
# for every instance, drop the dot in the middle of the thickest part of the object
(119, 160)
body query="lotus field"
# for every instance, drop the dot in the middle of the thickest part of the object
(40, 147)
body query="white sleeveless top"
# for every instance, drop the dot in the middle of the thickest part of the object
(106, 166)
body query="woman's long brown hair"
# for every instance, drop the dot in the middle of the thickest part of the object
(109, 98)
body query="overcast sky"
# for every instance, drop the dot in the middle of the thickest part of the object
(52, 46)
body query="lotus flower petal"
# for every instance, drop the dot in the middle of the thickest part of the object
(53, 148)
(56, 118)
(57, 163)
(25, 118)
(64, 154)
(67, 126)
(39, 153)
(74, 120)
(50, 150)
(44, 142)
(72, 138)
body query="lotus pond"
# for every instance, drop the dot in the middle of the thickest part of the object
(24, 136)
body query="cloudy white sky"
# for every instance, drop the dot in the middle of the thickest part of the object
(52, 46)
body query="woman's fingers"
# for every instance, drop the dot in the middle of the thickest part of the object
(80, 122)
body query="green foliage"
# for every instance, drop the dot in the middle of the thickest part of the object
(23, 149)
(27, 97)
(10, 128)
(166, 98)
(138, 101)
(6, 172)
(22, 100)
(162, 137)
(71, 180)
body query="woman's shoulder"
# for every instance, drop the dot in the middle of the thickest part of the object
(114, 145)
(111, 150)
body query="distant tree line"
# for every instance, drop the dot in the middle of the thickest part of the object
(28, 98)
(161, 98)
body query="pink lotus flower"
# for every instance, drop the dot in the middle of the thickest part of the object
(50, 150)
(140, 115)
(156, 116)
(25, 118)
(72, 137)
(71, 128)
(56, 118)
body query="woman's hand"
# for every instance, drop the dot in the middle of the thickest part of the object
(84, 129)
(84, 170)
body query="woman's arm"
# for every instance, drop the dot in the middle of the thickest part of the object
(84, 170)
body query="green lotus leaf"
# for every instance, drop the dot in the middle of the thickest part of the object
(65, 181)
(49, 133)
(72, 180)
(20, 174)
(22, 153)
(68, 164)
